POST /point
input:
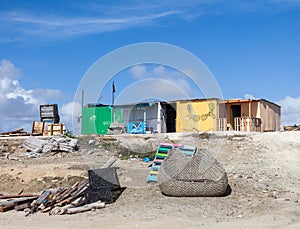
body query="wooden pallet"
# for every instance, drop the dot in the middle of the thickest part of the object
(55, 129)
(38, 128)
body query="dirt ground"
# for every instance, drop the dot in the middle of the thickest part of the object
(263, 171)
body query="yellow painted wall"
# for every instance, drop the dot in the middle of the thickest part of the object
(198, 115)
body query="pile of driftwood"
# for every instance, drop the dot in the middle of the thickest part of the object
(54, 201)
(17, 202)
(13, 133)
(55, 144)
(78, 198)
(292, 128)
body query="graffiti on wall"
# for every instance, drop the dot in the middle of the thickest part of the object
(190, 115)
(202, 117)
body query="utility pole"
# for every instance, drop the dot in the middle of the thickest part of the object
(113, 101)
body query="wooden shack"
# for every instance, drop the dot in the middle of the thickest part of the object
(249, 115)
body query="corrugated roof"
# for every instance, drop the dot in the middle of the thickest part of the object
(228, 101)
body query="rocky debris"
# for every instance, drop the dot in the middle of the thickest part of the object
(10, 145)
(57, 144)
(262, 170)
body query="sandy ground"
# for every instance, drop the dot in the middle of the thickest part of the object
(263, 171)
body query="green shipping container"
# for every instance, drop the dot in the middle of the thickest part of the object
(96, 120)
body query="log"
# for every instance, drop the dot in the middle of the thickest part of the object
(61, 194)
(55, 197)
(78, 202)
(21, 207)
(10, 204)
(36, 204)
(55, 211)
(62, 210)
(19, 134)
(12, 131)
(17, 196)
(68, 192)
(63, 202)
(80, 189)
(46, 209)
(79, 192)
(68, 195)
(6, 208)
(85, 208)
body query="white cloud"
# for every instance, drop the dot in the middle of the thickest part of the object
(166, 83)
(290, 110)
(138, 71)
(190, 73)
(78, 18)
(249, 96)
(172, 76)
(151, 88)
(93, 17)
(43, 95)
(70, 110)
(8, 70)
(156, 82)
(20, 106)
(60, 27)
(160, 71)
(184, 85)
(70, 114)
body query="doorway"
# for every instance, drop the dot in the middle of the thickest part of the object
(235, 113)
(170, 116)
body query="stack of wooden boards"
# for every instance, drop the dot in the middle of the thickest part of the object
(162, 153)
(47, 200)
(18, 202)
(14, 133)
(38, 129)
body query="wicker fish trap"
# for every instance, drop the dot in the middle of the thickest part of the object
(201, 175)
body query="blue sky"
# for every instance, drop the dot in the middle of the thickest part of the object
(251, 47)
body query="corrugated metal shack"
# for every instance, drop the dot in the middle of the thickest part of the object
(97, 118)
